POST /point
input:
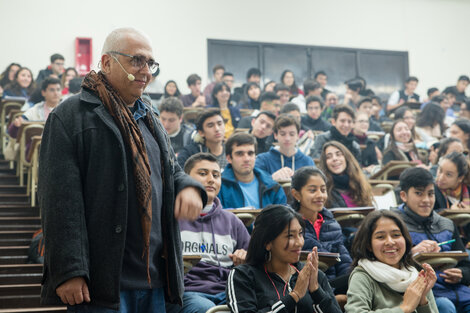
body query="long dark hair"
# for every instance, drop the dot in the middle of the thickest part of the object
(461, 163)
(362, 244)
(4, 77)
(444, 145)
(361, 190)
(464, 125)
(250, 102)
(300, 179)
(218, 87)
(269, 224)
(293, 89)
(431, 115)
(393, 143)
(15, 87)
(165, 93)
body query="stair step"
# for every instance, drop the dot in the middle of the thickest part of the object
(18, 301)
(8, 198)
(15, 242)
(46, 309)
(25, 220)
(14, 250)
(9, 179)
(20, 268)
(16, 259)
(31, 278)
(12, 189)
(19, 211)
(10, 234)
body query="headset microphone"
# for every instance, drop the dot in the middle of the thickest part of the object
(129, 75)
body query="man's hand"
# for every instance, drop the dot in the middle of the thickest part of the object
(238, 257)
(452, 275)
(199, 102)
(73, 291)
(284, 173)
(188, 204)
(426, 246)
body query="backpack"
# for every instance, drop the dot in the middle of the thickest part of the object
(36, 248)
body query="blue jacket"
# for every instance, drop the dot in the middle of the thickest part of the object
(331, 240)
(231, 194)
(271, 161)
(439, 228)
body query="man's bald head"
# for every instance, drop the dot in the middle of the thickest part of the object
(116, 40)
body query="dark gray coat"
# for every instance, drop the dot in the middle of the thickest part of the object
(83, 194)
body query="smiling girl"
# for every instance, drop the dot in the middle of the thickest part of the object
(273, 280)
(384, 279)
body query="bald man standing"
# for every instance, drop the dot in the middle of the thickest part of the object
(111, 191)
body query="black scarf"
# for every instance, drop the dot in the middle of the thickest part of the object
(341, 181)
(345, 140)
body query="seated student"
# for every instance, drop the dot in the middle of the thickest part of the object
(406, 114)
(209, 138)
(465, 109)
(400, 97)
(427, 229)
(51, 91)
(262, 129)
(55, 69)
(69, 74)
(432, 93)
(430, 123)
(22, 86)
(230, 113)
(369, 153)
(269, 102)
(342, 125)
(283, 93)
(452, 180)
(378, 114)
(347, 186)
(281, 162)
(244, 185)
(217, 235)
(365, 105)
(195, 98)
(321, 78)
(171, 115)
(401, 147)
(311, 88)
(273, 279)
(384, 278)
(253, 75)
(460, 129)
(313, 120)
(218, 72)
(331, 101)
(251, 97)
(288, 79)
(459, 89)
(8, 75)
(353, 89)
(444, 147)
(321, 228)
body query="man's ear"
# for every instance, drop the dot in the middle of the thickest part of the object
(229, 158)
(403, 196)
(105, 63)
(201, 133)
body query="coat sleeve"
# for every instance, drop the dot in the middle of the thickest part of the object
(241, 295)
(324, 297)
(62, 204)
(361, 295)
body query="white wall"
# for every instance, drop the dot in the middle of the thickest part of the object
(433, 31)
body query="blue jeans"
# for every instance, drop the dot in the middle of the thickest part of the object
(444, 305)
(132, 301)
(198, 302)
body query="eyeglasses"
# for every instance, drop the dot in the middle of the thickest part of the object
(139, 61)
